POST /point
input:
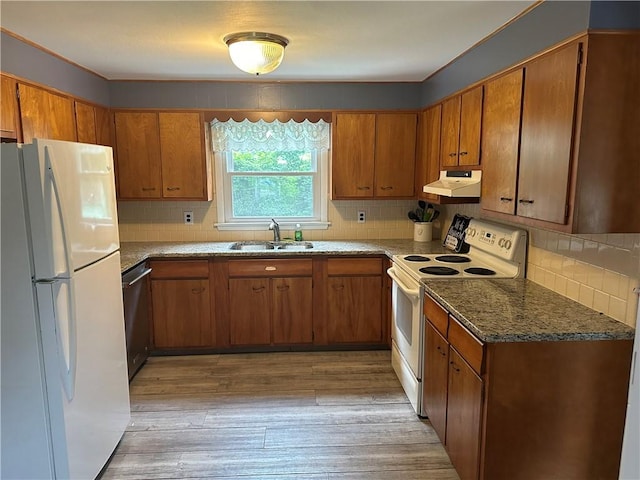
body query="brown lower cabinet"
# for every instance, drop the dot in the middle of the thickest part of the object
(181, 303)
(268, 303)
(525, 410)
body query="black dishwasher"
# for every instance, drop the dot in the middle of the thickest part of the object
(135, 294)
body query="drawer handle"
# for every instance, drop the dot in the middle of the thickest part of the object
(270, 269)
(171, 189)
(386, 188)
(258, 289)
(148, 189)
(506, 199)
(526, 201)
(440, 351)
(197, 291)
(282, 288)
(364, 188)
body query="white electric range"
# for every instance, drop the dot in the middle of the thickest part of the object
(490, 251)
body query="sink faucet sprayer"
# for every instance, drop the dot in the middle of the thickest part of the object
(276, 230)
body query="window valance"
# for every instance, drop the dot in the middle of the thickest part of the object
(258, 136)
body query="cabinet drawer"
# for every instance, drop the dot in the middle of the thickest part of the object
(267, 267)
(180, 269)
(437, 315)
(467, 345)
(354, 266)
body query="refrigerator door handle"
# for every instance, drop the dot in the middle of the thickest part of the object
(61, 213)
(61, 295)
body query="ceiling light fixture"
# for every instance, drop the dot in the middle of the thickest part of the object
(256, 52)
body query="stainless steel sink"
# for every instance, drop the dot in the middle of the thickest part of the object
(270, 245)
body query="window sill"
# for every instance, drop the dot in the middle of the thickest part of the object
(263, 225)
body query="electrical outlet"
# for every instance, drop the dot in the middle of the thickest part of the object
(188, 218)
(361, 216)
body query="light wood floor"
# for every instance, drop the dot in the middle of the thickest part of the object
(321, 416)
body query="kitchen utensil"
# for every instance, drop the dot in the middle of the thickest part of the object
(413, 217)
(436, 214)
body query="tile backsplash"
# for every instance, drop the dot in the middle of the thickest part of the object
(599, 271)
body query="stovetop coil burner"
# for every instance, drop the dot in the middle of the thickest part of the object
(453, 259)
(439, 271)
(480, 271)
(416, 258)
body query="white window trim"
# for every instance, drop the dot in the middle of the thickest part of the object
(223, 191)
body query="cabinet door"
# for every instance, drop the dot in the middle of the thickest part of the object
(500, 141)
(249, 311)
(395, 154)
(9, 125)
(85, 123)
(548, 114)
(435, 379)
(138, 150)
(464, 409)
(470, 123)
(428, 162)
(353, 155)
(183, 156)
(181, 313)
(45, 115)
(354, 312)
(104, 126)
(450, 133)
(292, 311)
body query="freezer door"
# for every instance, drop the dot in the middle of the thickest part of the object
(71, 205)
(82, 328)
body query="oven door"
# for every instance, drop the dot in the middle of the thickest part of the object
(406, 333)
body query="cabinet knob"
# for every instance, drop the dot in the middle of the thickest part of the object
(528, 202)
(173, 189)
(364, 188)
(453, 154)
(148, 189)
(506, 199)
(270, 268)
(464, 153)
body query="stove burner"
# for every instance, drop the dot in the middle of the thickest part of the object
(479, 271)
(453, 259)
(439, 271)
(416, 258)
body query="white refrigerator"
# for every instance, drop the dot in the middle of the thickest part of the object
(64, 402)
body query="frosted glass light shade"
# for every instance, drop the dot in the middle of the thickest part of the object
(256, 53)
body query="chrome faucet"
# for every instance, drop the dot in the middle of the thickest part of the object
(276, 230)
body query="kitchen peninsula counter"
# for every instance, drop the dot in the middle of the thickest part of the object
(519, 310)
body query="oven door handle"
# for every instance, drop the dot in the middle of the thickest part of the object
(412, 293)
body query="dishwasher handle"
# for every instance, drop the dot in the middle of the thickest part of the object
(129, 283)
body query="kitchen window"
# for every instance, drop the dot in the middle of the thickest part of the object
(270, 170)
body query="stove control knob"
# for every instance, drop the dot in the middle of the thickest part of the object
(507, 244)
(501, 242)
(471, 232)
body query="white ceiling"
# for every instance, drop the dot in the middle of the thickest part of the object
(329, 40)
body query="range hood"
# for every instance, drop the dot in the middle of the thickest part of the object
(456, 183)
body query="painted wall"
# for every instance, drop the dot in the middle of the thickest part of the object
(28, 62)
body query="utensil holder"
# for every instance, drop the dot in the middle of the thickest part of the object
(422, 231)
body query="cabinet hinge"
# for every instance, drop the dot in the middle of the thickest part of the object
(313, 335)
(580, 55)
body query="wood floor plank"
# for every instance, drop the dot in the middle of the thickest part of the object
(275, 416)
(192, 440)
(350, 435)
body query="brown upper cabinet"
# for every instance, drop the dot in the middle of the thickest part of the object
(9, 116)
(460, 133)
(162, 156)
(500, 141)
(93, 124)
(373, 155)
(45, 114)
(428, 157)
(577, 166)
